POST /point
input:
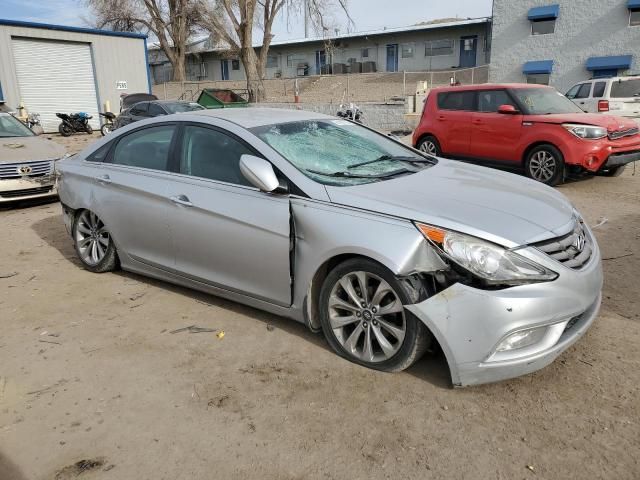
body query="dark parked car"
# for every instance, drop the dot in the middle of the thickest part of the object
(155, 108)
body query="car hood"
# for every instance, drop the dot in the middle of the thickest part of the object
(24, 149)
(501, 207)
(611, 122)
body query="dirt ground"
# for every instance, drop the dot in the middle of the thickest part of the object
(94, 386)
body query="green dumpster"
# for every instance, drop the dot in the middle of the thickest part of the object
(221, 98)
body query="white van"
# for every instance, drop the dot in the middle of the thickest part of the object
(615, 96)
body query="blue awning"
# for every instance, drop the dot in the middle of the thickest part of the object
(544, 13)
(602, 63)
(633, 4)
(539, 66)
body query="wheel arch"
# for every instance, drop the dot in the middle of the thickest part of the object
(536, 144)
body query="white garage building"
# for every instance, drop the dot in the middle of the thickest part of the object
(51, 68)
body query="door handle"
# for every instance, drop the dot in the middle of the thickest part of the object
(181, 200)
(441, 117)
(104, 179)
(477, 122)
(581, 103)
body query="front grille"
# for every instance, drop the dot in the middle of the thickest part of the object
(37, 169)
(573, 250)
(26, 192)
(624, 133)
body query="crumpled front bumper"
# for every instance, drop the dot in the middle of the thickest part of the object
(27, 188)
(470, 323)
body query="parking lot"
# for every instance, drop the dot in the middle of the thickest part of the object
(93, 382)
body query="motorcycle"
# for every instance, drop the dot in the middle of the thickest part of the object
(74, 123)
(109, 123)
(351, 112)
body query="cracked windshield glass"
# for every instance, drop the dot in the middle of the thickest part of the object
(339, 152)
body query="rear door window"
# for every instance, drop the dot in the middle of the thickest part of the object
(140, 109)
(146, 148)
(598, 89)
(457, 101)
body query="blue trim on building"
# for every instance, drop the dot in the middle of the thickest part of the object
(538, 66)
(62, 28)
(606, 63)
(544, 13)
(146, 61)
(633, 4)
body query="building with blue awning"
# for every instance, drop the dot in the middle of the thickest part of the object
(563, 42)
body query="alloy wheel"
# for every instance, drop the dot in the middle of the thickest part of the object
(367, 317)
(542, 166)
(92, 238)
(429, 147)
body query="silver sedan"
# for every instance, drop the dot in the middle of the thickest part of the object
(385, 249)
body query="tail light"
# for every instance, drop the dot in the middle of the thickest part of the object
(603, 105)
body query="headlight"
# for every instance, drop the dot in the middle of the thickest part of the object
(491, 262)
(590, 132)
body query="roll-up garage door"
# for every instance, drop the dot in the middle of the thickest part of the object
(55, 77)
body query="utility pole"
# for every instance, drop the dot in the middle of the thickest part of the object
(306, 19)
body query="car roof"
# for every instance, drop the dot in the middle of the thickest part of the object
(250, 117)
(488, 86)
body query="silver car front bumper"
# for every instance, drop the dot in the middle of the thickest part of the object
(27, 188)
(470, 323)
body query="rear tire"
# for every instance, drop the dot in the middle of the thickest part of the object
(382, 335)
(545, 164)
(612, 172)
(89, 129)
(93, 243)
(430, 146)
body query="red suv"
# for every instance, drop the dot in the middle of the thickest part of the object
(527, 126)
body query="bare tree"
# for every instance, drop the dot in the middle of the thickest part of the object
(233, 22)
(171, 22)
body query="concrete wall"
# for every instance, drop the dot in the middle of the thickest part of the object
(115, 59)
(584, 28)
(342, 50)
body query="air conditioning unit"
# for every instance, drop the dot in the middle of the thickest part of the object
(368, 67)
(339, 68)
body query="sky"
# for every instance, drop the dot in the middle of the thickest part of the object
(367, 14)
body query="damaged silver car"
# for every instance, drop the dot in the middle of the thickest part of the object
(385, 249)
(26, 162)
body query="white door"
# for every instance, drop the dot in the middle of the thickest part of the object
(55, 77)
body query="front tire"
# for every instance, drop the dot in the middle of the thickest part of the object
(612, 172)
(430, 146)
(65, 130)
(364, 320)
(106, 129)
(93, 243)
(545, 164)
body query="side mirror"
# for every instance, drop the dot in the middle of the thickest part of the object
(508, 110)
(259, 173)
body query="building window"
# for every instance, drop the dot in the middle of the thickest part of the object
(272, 61)
(543, 19)
(543, 27)
(538, 78)
(235, 64)
(294, 60)
(407, 50)
(436, 48)
(365, 53)
(634, 18)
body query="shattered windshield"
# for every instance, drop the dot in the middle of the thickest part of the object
(339, 152)
(544, 101)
